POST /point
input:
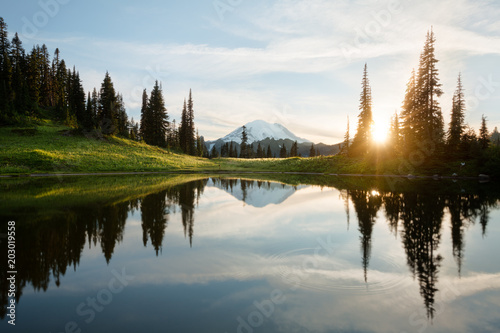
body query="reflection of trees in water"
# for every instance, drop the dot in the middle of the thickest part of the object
(421, 218)
(52, 241)
(366, 205)
(154, 216)
(52, 244)
(417, 216)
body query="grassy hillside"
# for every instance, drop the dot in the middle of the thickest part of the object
(51, 148)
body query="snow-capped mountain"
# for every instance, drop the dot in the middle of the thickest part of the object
(259, 130)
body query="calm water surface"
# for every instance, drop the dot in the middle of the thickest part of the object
(217, 254)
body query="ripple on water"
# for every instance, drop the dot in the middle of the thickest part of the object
(301, 268)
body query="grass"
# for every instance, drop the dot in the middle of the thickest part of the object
(52, 148)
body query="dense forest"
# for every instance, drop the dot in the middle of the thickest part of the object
(33, 86)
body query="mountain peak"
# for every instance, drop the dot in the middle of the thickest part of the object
(259, 130)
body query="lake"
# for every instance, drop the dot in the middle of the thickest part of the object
(256, 253)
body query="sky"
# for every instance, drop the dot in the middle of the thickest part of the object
(294, 62)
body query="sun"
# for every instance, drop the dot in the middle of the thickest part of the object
(379, 132)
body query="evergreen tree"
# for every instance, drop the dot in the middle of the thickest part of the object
(312, 151)
(283, 151)
(122, 118)
(187, 135)
(159, 118)
(244, 143)
(421, 115)
(76, 100)
(46, 79)
(214, 153)
(260, 151)
(4, 39)
(347, 140)
(456, 129)
(430, 125)
(362, 139)
(183, 129)
(21, 98)
(61, 90)
(145, 118)
(107, 115)
(6, 96)
(484, 138)
(409, 115)
(190, 131)
(94, 109)
(269, 153)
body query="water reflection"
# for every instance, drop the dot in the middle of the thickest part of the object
(419, 214)
(54, 237)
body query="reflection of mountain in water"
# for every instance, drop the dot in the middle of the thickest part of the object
(258, 194)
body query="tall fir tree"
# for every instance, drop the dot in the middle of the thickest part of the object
(244, 143)
(6, 96)
(430, 124)
(190, 131)
(107, 107)
(456, 129)
(159, 117)
(145, 118)
(21, 98)
(183, 140)
(363, 137)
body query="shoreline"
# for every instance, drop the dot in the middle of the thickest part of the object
(222, 172)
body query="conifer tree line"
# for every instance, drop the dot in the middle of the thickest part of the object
(31, 84)
(156, 129)
(420, 124)
(255, 150)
